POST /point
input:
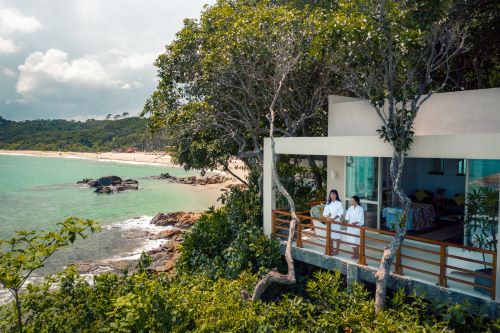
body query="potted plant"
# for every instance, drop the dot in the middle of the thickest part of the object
(481, 222)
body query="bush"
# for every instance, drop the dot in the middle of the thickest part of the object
(228, 240)
(197, 303)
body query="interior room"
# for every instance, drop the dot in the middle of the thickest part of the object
(436, 187)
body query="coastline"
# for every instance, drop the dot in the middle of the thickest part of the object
(141, 158)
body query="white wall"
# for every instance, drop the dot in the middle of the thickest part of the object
(471, 111)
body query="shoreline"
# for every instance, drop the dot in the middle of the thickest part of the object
(140, 229)
(137, 158)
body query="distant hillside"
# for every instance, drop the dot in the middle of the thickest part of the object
(70, 135)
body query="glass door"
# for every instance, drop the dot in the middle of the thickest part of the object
(362, 179)
(481, 173)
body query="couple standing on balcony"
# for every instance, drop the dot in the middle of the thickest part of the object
(355, 215)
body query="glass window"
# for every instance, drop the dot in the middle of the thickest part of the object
(462, 165)
(437, 166)
(362, 177)
(484, 173)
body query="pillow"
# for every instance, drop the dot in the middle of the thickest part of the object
(420, 195)
(459, 199)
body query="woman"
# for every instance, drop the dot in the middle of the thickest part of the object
(356, 216)
(334, 211)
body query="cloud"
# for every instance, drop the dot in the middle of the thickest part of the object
(137, 60)
(43, 73)
(11, 20)
(7, 46)
(8, 72)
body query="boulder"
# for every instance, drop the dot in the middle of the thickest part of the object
(178, 219)
(110, 184)
(109, 180)
(169, 233)
(193, 180)
(104, 189)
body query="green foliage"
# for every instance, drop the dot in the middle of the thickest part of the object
(216, 81)
(481, 217)
(227, 240)
(300, 183)
(196, 303)
(89, 136)
(27, 251)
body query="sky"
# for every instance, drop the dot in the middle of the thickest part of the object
(81, 59)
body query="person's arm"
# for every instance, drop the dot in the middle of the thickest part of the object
(360, 216)
(326, 211)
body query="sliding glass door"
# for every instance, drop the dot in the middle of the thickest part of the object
(362, 179)
(481, 173)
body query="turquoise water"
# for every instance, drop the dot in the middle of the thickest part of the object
(38, 192)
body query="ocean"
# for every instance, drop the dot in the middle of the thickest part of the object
(38, 192)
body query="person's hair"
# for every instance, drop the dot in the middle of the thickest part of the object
(356, 198)
(329, 200)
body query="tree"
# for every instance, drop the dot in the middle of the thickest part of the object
(125, 114)
(116, 117)
(397, 50)
(27, 251)
(285, 54)
(108, 116)
(216, 83)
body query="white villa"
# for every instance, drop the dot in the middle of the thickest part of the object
(456, 146)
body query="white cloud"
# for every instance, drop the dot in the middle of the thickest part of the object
(11, 20)
(41, 73)
(8, 72)
(137, 60)
(7, 46)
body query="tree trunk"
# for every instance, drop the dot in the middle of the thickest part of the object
(226, 168)
(18, 311)
(318, 179)
(274, 276)
(382, 275)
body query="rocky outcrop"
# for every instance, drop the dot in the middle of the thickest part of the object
(178, 219)
(164, 256)
(111, 184)
(193, 180)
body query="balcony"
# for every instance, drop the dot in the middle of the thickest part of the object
(437, 267)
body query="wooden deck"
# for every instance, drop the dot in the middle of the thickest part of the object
(436, 262)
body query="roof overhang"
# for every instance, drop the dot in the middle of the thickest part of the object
(472, 146)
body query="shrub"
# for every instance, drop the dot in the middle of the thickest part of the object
(197, 303)
(227, 240)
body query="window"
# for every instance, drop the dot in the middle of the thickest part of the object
(461, 167)
(437, 166)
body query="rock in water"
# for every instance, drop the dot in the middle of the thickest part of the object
(109, 180)
(110, 184)
(178, 219)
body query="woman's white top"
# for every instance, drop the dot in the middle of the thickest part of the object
(355, 214)
(333, 209)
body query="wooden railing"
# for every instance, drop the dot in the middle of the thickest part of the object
(436, 258)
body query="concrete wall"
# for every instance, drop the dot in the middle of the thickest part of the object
(336, 175)
(463, 112)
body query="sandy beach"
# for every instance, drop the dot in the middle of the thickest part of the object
(150, 158)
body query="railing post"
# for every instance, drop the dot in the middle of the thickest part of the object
(442, 266)
(273, 223)
(328, 245)
(494, 277)
(299, 234)
(398, 269)
(362, 258)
